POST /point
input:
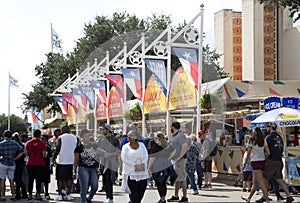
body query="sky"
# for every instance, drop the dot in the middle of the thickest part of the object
(25, 31)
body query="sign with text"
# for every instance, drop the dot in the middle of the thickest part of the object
(154, 98)
(115, 105)
(291, 102)
(272, 103)
(101, 110)
(182, 92)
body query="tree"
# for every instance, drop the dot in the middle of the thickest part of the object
(292, 5)
(17, 124)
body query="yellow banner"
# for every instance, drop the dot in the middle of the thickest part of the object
(154, 98)
(81, 115)
(289, 116)
(182, 92)
(71, 118)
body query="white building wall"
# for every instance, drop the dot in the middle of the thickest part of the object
(223, 38)
(291, 55)
(253, 41)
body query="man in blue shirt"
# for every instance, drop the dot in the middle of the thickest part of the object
(9, 150)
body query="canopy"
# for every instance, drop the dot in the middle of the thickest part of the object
(283, 117)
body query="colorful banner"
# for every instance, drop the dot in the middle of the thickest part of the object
(182, 92)
(154, 98)
(81, 115)
(115, 104)
(101, 110)
(71, 118)
(158, 70)
(294, 170)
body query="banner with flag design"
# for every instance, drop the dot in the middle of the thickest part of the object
(117, 82)
(99, 87)
(158, 70)
(133, 80)
(62, 103)
(189, 62)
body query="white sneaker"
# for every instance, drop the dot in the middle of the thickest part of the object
(195, 192)
(108, 201)
(68, 197)
(58, 198)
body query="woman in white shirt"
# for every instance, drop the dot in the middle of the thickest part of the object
(135, 158)
(257, 148)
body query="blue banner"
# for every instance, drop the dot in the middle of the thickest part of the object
(272, 103)
(158, 70)
(294, 170)
(291, 102)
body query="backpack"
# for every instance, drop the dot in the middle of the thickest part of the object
(213, 145)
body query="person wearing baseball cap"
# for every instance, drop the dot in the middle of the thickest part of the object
(110, 147)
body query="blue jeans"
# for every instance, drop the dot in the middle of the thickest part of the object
(87, 177)
(199, 174)
(191, 180)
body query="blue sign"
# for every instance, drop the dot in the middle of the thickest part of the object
(272, 103)
(291, 102)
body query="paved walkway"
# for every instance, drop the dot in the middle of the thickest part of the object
(222, 191)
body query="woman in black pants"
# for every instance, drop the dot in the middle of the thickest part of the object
(135, 159)
(159, 164)
(19, 171)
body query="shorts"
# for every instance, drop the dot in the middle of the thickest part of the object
(207, 166)
(7, 171)
(273, 170)
(258, 165)
(247, 175)
(64, 172)
(180, 169)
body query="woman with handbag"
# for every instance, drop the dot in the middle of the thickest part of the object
(135, 158)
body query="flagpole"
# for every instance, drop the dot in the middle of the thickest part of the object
(8, 111)
(200, 64)
(51, 38)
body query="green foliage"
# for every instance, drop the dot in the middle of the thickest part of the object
(292, 5)
(134, 113)
(207, 101)
(17, 124)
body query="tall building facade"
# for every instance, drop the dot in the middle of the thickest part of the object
(253, 42)
(228, 41)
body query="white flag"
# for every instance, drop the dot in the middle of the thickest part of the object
(56, 41)
(13, 82)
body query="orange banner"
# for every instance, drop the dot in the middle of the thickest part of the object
(182, 92)
(154, 98)
(115, 104)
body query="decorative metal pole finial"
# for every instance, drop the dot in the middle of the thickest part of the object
(202, 6)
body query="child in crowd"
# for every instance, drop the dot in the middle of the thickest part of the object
(247, 173)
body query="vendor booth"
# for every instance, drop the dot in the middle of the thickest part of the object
(288, 120)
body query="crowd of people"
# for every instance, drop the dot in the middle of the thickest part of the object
(140, 161)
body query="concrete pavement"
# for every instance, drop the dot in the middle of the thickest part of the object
(222, 191)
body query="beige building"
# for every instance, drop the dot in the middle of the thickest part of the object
(258, 43)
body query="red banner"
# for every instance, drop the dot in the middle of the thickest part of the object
(115, 104)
